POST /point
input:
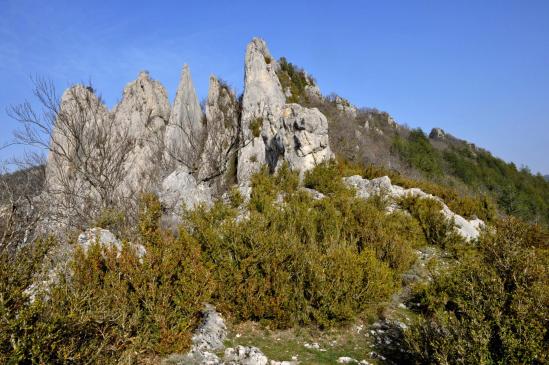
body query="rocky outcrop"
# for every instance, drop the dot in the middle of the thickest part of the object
(185, 131)
(180, 190)
(181, 153)
(143, 112)
(273, 131)
(208, 339)
(437, 133)
(468, 229)
(302, 138)
(220, 148)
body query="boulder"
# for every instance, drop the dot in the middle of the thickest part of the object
(180, 190)
(245, 355)
(303, 138)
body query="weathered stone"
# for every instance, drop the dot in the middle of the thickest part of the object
(274, 131)
(303, 138)
(437, 133)
(244, 355)
(180, 190)
(222, 113)
(144, 112)
(468, 229)
(185, 131)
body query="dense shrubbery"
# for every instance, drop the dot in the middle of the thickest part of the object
(304, 261)
(417, 151)
(491, 307)
(112, 307)
(285, 260)
(438, 229)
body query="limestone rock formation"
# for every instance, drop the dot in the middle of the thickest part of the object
(181, 190)
(261, 103)
(303, 137)
(180, 152)
(185, 131)
(468, 229)
(222, 118)
(274, 131)
(143, 112)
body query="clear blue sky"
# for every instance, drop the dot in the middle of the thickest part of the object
(478, 69)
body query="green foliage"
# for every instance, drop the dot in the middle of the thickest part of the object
(417, 151)
(438, 229)
(114, 307)
(517, 192)
(255, 126)
(491, 307)
(293, 78)
(304, 261)
(326, 178)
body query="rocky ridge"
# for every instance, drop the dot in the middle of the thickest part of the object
(178, 150)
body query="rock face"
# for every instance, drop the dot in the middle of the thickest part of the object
(468, 229)
(272, 130)
(303, 137)
(180, 190)
(185, 131)
(181, 152)
(437, 133)
(143, 112)
(222, 118)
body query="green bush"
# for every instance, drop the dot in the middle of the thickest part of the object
(255, 126)
(304, 261)
(438, 229)
(113, 307)
(491, 307)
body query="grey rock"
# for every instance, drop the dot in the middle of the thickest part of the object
(221, 142)
(437, 133)
(302, 139)
(185, 131)
(468, 229)
(106, 239)
(144, 112)
(242, 355)
(180, 190)
(287, 132)
(345, 106)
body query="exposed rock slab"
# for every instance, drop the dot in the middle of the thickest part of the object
(468, 229)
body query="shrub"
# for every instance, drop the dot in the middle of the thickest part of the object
(438, 229)
(492, 306)
(304, 261)
(255, 126)
(114, 307)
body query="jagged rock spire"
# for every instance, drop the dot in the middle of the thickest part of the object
(184, 134)
(222, 113)
(142, 114)
(272, 130)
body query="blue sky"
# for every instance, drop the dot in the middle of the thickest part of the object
(478, 69)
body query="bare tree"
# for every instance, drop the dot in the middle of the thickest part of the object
(87, 151)
(18, 205)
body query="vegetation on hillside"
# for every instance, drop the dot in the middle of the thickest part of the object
(286, 260)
